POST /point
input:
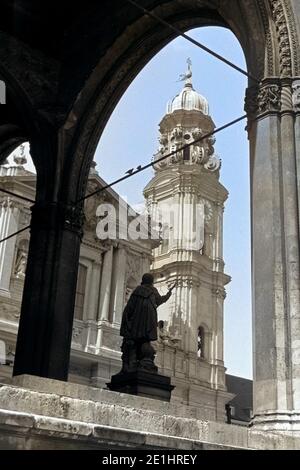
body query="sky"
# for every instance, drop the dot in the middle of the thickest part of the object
(131, 138)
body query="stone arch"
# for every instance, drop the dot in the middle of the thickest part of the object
(13, 134)
(269, 37)
(282, 44)
(272, 30)
(131, 52)
(286, 35)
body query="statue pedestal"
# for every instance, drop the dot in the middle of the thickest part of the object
(142, 383)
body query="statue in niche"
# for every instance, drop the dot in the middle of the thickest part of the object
(164, 336)
(21, 260)
(139, 326)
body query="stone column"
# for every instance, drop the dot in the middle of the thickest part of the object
(105, 291)
(275, 261)
(219, 238)
(8, 224)
(92, 308)
(296, 105)
(218, 297)
(45, 329)
(296, 108)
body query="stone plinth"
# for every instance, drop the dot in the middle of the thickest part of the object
(37, 413)
(142, 383)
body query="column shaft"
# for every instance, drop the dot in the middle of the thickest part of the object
(118, 286)
(45, 330)
(105, 292)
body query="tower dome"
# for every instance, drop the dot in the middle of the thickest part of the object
(188, 99)
(187, 121)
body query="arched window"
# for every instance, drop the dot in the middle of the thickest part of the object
(201, 335)
(80, 292)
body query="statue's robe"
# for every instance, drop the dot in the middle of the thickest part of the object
(139, 320)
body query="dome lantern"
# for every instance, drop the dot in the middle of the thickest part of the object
(188, 99)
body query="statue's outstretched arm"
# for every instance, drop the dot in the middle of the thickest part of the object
(160, 299)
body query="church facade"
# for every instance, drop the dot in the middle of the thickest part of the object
(109, 269)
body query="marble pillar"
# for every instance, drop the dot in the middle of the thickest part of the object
(45, 328)
(105, 293)
(275, 261)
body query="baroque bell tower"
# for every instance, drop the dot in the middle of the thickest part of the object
(185, 200)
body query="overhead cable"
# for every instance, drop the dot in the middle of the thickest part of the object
(164, 157)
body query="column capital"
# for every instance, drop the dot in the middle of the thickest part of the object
(8, 202)
(273, 95)
(251, 102)
(269, 96)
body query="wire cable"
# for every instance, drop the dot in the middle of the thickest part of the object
(17, 195)
(15, 233)
(164, 157)
(193, 41)
(142, 168)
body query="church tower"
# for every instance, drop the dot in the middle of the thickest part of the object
(185, 200)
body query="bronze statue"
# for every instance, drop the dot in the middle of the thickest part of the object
(139, 326)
